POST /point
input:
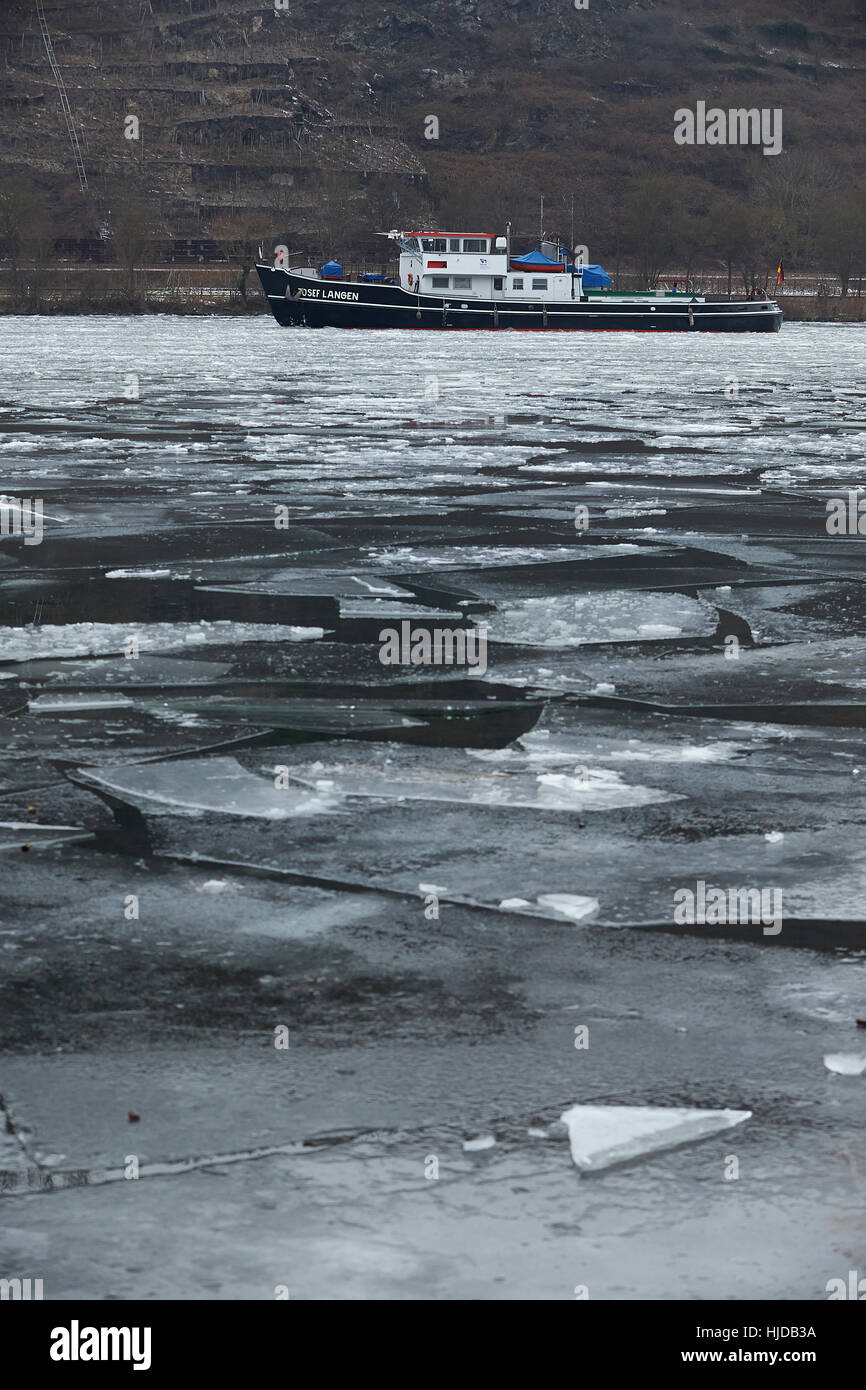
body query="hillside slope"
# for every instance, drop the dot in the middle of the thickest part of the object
(311, 126)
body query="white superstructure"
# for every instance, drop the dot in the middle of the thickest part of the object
(475, 265)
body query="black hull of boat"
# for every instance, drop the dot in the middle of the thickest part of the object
(298, 301)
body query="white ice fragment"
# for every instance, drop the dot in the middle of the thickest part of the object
(137, 574)
(774, 836)
(603, 688)
(603, 1135)
(431, 888)
(485, 1141)
(387, 589)
(570, 905)
(569, 620)
(596, 789)
(212, 885)
(845, 1063)
(514, 903)
(95, 699)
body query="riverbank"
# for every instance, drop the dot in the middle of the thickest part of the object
(185, 288)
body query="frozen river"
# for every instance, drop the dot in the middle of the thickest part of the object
(475, 896)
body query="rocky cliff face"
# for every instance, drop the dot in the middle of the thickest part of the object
(315, 124)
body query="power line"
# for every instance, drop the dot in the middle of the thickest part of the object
(64, 99)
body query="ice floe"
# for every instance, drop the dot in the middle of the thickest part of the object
(195, 786)
(96, 699)
(570, 905)
(137, 574)
(570, 620)
(845, 1063)
(98, 639)
(590, 790)
(604, 1135)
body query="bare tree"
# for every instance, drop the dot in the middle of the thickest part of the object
(796, 186)
(842, 236)
(131, 221)
(653, 213)
(26, 233)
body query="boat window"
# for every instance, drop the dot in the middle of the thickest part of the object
(474, 243)
(539, 284)
(454, 243)
(434, 243)
(497, 282)
(463, 282)
(517, 282)
(439, 282)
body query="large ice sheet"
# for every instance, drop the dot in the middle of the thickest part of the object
(194, 786)
(604, 1135)
(590, 790)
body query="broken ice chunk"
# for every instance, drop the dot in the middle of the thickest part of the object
(845, 1063)
(95, 699)
(614, 615)
(570, 905)
(484, 1141)
(603, 1135)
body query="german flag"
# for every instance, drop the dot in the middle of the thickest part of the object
(780, 274)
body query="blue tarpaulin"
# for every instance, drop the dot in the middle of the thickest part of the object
(595, 277)
(533, 259)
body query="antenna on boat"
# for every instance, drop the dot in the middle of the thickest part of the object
(541, 221)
